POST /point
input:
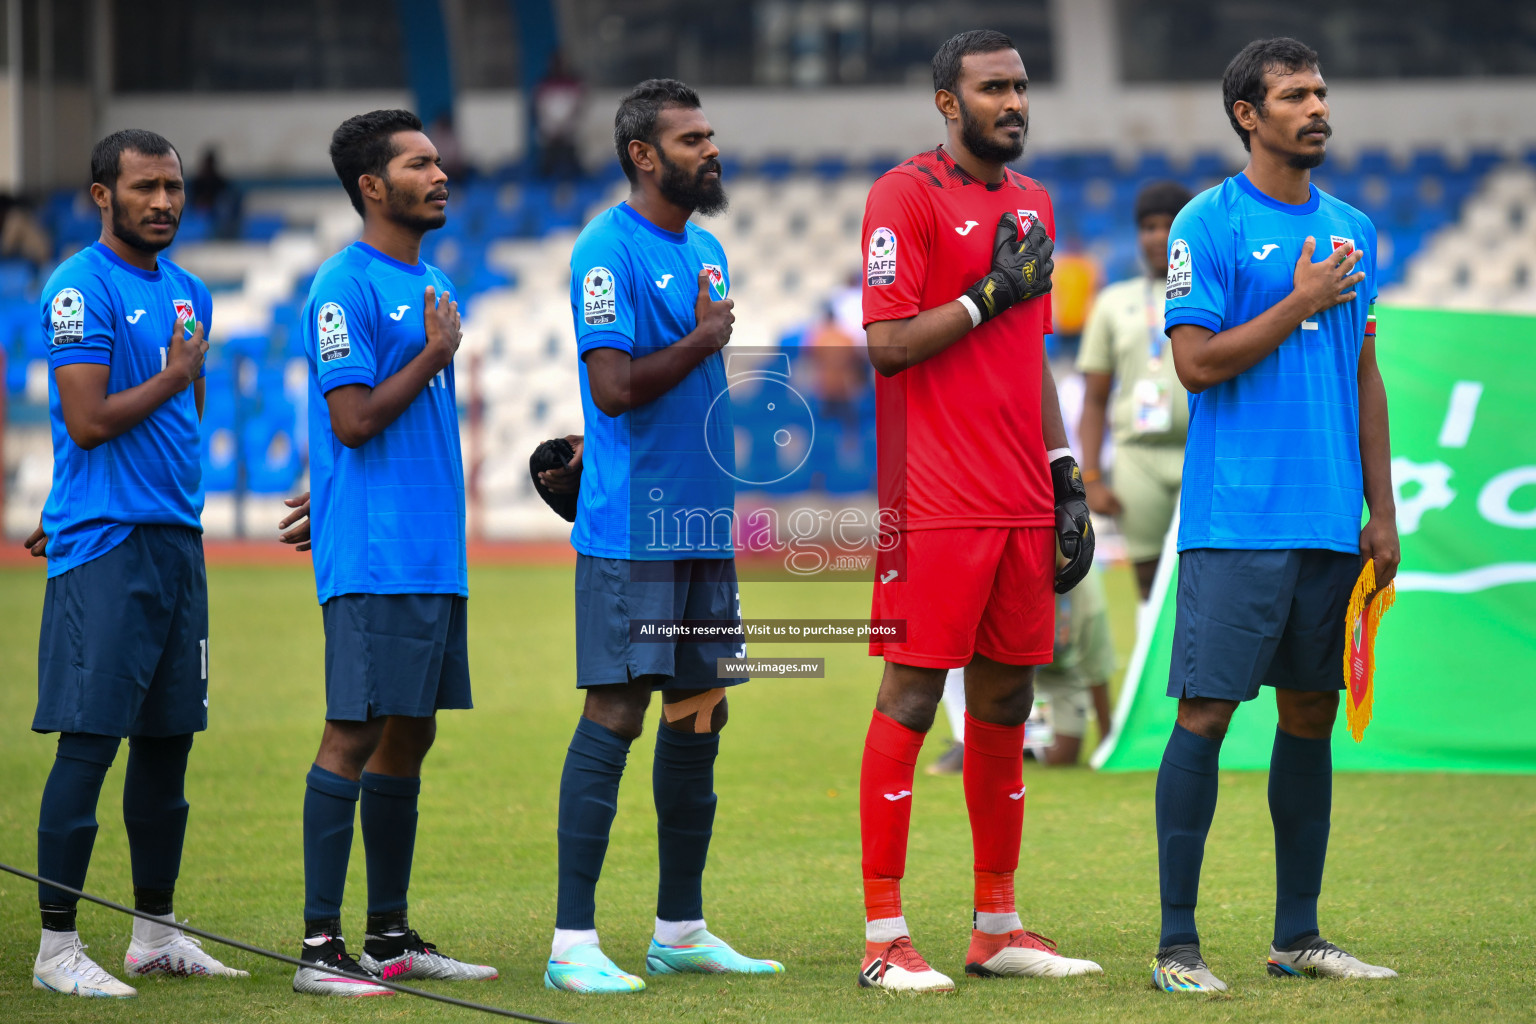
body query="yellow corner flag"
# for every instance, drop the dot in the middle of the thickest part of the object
(1366, 607)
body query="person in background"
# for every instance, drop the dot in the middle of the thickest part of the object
(1124, 344)
(559, 100)
(216, 196)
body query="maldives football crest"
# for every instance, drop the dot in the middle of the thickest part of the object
(184, 312)
(716, 281)
(1027, 219)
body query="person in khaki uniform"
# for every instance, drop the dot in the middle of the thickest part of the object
(1124, 344)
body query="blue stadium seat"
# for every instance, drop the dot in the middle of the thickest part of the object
(261, 227)
(1154, 165)
(220, 461)
(776, 167)
(1374, 161)
(272, 458)
(17, 279)
(829, 167)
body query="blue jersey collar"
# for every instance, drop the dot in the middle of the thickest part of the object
(106, 250)
(675, 237)
(1296, 209)
(409, 268)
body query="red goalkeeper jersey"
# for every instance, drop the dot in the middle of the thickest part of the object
(959, 434)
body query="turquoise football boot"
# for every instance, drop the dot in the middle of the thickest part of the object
(585, 969)
(703, 953)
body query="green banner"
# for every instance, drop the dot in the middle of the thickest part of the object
(1456, 656)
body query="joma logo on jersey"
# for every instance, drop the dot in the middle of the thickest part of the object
(881, 266)
(599, 297)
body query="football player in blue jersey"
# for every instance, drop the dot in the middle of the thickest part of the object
(124, 647)
(653, 534)
(1287, 448)
(386, 523)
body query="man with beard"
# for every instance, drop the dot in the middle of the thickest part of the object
(124, 647)
(387, 527)
(1287, 440)
(974, 468)
(653, 535)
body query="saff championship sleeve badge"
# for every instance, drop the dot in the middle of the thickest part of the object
(68, 316)
(599, 297)
(331, 329)
(1366, 607)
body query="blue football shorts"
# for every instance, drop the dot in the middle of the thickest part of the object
(1247, 619)
(124, 644)
(613, 594)
(395, 654)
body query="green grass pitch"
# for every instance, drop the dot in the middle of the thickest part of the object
(1433, 874)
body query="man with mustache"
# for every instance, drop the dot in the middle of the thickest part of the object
(124, 646)
(652, 534)
(975, 473)
(1287, 447)
(387, 527)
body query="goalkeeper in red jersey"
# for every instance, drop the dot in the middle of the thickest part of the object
(978, 490)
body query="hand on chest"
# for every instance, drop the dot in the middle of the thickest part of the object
(964, 228)
(667, 293)
(145, 323)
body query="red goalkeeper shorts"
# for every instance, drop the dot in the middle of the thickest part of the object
(972, 590)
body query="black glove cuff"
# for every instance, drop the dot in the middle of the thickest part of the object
(1067, 480)
(992, 296)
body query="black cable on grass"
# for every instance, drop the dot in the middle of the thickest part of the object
(295, 961)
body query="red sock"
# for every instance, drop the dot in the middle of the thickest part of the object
(994, 796)
(885, 812)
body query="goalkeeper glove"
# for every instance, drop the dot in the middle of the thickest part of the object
(555, 454)
(1021, 269)
(1074, 528)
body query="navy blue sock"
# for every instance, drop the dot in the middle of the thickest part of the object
(330, 804)
(66, 821)
(1300, 804)
(683, 781)
(388, 813)
(589, 796)
(155, 808)
(1186, 803)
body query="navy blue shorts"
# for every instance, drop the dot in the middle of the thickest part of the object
(124, 646)
(613, 592)
(395, 654)
(1260, 618)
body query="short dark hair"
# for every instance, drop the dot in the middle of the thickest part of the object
(1161, 197)
(107, 155)
(1244, 77)
(638, 110)
(946, 62)
(365, 144)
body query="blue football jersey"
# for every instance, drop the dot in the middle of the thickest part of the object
(98, 309)
(1273, 455)
(386, 517)
(658, 481)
